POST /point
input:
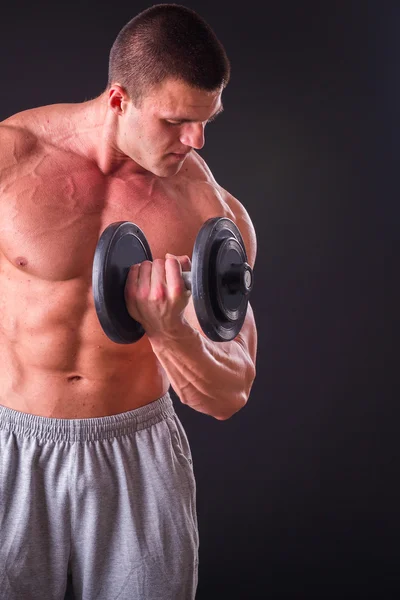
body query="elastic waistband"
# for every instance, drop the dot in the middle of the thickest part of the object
(86, 430)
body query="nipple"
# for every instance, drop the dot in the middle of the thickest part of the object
(21, 261)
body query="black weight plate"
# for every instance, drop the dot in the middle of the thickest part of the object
(232, 302)
(206, 285)
(121, 245)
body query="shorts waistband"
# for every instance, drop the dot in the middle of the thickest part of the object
(86, 430)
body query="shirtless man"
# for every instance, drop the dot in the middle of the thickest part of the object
(97, 486)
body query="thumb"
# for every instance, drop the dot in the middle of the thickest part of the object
(184, 261)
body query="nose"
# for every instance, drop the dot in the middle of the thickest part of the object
(193, 135)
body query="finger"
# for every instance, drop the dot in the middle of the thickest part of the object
(158, 279)
(132, 279)
(173, 274)
(131, 286)
(184, 261)
(144, 278)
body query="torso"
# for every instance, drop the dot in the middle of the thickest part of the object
(55, 359)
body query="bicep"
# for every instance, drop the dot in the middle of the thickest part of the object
(245, 225)
(247, 337)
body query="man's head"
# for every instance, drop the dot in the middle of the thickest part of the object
(166, 76)
(167, 41)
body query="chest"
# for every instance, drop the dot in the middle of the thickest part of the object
(50, 222)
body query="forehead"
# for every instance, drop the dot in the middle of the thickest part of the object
(177, 97)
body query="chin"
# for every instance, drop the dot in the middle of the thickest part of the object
(166, 171)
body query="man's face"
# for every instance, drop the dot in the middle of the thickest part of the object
(168, 124)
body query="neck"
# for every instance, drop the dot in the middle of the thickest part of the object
(98, 133)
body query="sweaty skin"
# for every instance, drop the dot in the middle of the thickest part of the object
(59, 189)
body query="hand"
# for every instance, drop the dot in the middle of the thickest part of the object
(156, 295)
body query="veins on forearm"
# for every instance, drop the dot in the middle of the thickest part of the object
(207, 377)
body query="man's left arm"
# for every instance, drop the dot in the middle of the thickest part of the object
(212, 377)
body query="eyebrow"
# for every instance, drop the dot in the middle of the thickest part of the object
(214, 116)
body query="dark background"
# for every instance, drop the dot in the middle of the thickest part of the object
(297, 493)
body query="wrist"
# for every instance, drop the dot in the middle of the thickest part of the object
(180, 332)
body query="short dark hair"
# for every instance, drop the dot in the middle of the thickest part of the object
(167, 40)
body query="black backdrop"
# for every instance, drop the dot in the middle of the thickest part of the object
(297, 493)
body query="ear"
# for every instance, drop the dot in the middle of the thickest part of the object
(117, 99)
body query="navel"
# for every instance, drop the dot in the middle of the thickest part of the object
(74, 378)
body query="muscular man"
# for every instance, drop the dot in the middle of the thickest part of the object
(96, 477)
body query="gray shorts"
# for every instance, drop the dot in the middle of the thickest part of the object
(99, 508)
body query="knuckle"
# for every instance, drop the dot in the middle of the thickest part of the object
(142, 292)
(146, 264)
(158, 293)
(176, 291)
(158, 262)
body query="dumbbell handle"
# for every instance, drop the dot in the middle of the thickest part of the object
(240, 277)
(187, 278)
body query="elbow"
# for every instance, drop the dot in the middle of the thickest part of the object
(234, 404)
(238, 399)
(228, 414)
(231, 408)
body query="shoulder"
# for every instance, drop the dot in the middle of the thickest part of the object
(17, 141)
(218, 201)
(29, 129)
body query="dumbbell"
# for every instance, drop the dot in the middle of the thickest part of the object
(220, 279)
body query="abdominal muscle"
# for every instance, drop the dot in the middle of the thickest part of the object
(55, 359)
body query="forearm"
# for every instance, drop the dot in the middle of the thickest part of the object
(212, 377)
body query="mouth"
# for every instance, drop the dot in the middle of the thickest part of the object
(179, 155)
